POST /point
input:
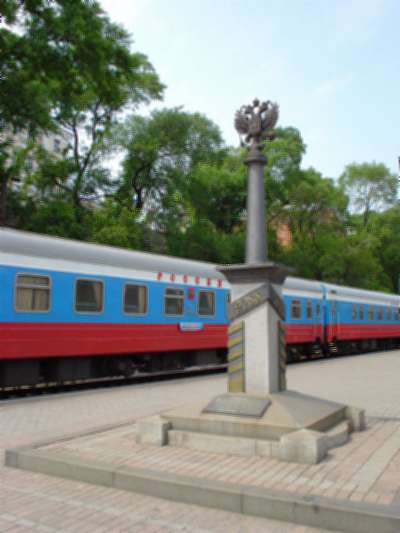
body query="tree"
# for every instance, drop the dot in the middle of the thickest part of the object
(217, 193)
(81, 74)
(386, 229)
(26, 102)
(161, 151)
(316, 203)
(282, 172)
(370, 186)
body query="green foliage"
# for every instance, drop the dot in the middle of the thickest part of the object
(343, 259)
(204, 242)
(218, 193)
(161, 152)
(115, 225)
(283, 175)
(370, 186)
(316, 205)
(53, 217)
(66, 64)
(66, 67)
(386, 228)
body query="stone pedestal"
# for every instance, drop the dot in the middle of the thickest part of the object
(257, 354)
(288, 426)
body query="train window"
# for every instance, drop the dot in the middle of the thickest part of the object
(388, 313)
(354, 311)
(333, 311)
(32, 293)
(173, 301)
(309, 309)
(361, 312)
(396, 313)
(206, 303)
(295, 309)
(88, 296)
(380, 312)
(370, 312)
(135, 299)
(317, 310)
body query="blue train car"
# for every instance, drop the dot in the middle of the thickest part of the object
(72, 310)
(325, 319)
(76, 310)
(304, 317)
(361, 320)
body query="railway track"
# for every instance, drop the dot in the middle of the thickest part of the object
(8, 393)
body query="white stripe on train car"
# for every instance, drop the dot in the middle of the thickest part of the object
(54, 265)
(362, 299)
(302, 294)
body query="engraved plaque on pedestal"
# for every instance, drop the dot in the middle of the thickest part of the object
(238, 405)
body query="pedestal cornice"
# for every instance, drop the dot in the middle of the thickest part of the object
(256, 272)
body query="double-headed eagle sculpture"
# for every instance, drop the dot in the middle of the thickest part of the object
(256, 122)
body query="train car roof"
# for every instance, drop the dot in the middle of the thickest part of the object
(43, 246)
(337, 292)
(293, 284)
(351, 293)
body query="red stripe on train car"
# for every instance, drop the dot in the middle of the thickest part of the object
(53, 340)
(302, 333)
(361, 331)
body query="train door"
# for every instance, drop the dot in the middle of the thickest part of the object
(334, 319)
(319, 320)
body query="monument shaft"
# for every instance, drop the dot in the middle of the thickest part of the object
(256, 235)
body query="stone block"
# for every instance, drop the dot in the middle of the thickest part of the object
(212, 443)
(153, 430)
(66, 467)
(338, 435)
(303, 446)
(267, 448)
(178, 488)
(356, 417)
(263, 448)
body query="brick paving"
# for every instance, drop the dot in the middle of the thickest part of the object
(367, 469)
(368, 465)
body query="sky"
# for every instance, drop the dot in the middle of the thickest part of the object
(333, 66)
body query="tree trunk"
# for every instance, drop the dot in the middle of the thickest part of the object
(3, 200)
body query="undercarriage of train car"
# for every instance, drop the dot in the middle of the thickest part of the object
(33, 372)
(316, 350)
(305, 351)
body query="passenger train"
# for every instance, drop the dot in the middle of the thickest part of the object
(72, 311)
(325, 319)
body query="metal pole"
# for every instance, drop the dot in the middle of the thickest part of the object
(256, 235)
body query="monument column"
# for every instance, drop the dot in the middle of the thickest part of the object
(256, 236)
(257, 356)
(257, 415)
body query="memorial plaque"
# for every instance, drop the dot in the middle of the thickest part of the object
(238, 405)
(253, 299)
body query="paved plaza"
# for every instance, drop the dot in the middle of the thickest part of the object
(367, 469)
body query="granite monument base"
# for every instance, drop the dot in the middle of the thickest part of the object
(287, 425)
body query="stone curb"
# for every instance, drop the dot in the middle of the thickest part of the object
(314, 511)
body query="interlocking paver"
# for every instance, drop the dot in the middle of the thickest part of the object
(351, 471)
(32, 502)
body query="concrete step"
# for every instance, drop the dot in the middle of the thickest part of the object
(208, 442)
(339, 434)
